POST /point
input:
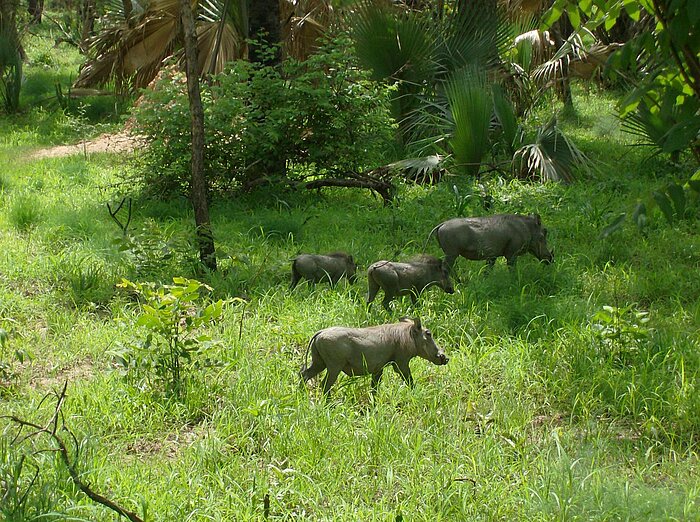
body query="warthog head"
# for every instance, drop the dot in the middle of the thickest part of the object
(425, 345)
(445, 281)
(538, 242)
(350, 266)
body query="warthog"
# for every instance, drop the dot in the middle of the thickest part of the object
(508, 235)
(317, 267)
(362, 351)
(407, 278)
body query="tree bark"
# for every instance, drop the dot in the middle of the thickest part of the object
(198, 186)
(265, 29)
(36, 10)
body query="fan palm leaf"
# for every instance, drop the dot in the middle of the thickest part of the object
(473, 36)
(132, 54)
(471, 108)
(557, 66)
(394, 45)
(551, 157)
(303, 23)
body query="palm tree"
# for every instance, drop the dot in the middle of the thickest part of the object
(132, 48)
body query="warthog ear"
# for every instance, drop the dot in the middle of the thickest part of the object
(417, 325)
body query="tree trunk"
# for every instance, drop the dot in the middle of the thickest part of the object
(127, 12)
(198, 187)
(265, 29)
(36, 10)
(560, 32)
(88, 14)
(13, 56)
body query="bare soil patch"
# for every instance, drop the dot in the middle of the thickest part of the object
(122, 142)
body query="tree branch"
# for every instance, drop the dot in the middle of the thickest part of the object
(52, 429)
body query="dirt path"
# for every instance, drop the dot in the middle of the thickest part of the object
(114, 143)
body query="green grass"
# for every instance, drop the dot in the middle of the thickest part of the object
(540, 414)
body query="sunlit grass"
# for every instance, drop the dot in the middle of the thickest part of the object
(541, 414)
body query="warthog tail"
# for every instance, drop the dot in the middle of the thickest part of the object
(433, 231)
(308, 349)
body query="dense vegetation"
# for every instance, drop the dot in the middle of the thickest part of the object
(571, 392)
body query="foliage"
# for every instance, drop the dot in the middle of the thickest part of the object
(676, 203)
(129, 48)
(621, 329)
(24, 213)
(663, 102)
(171, 352)
(151, 249)
(7, 356)
(471, 108)
(321, 115)
(550, 157)
(83, 278)
(10, 72)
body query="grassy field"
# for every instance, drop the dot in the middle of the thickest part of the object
(571, 392)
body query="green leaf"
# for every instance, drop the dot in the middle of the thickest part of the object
(633, 10)
(678, 197)
(681, 135)
(551, 16)
(693, 12)
(664, 204)
(613, 226)
(574, 16)
(639, 216)
(610, 23)
(694, 184)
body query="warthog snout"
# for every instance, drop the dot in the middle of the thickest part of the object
(449, 290)
(444, 359)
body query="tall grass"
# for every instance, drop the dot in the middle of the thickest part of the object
(546, 411)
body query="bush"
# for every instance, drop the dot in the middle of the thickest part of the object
(321, 115)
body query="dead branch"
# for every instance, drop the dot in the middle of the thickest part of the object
(53, 427)
(353, 180)
(113, 214)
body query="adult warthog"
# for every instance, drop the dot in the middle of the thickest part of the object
(362, 351)
(409, 278)
(489, 237)
(320, 267)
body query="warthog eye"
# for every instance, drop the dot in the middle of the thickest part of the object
(428, 333)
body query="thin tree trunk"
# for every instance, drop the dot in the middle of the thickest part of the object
(88, 15)
(198, 186)
(36, 10)
(265, 27)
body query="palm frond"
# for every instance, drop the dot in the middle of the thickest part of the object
(304, 22)
(474, 34)
(392, 44)
(551, 157)
(507, 120)
(471, 108)
(556, 67)
(421, 170)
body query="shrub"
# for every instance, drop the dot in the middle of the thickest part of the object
(320, 115)
(170, 352)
